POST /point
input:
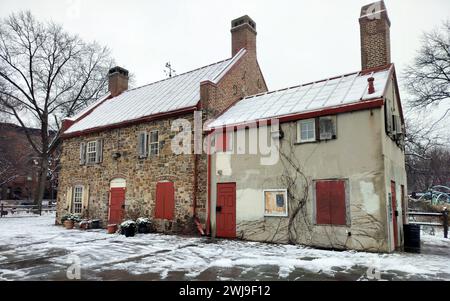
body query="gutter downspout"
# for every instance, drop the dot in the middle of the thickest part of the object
(208, 220)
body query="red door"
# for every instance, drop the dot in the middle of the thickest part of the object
(226, 210)
(165, 200)
(394, 213)
(117, 204)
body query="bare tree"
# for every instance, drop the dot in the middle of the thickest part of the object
(46, 74)
(428, 78)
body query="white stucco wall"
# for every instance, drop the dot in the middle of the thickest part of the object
(357, 155)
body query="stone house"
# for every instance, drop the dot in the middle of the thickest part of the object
(117, 156)
(318, 164)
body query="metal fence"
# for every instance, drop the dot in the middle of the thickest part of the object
(440, 219)
(11, 210)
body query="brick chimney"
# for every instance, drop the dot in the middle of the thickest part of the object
(375, 35)
(118, 80)
(243, 35)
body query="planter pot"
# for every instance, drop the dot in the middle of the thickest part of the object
(84, 225)
(69, 224)
(143, 228)
(112, 228)
(129, 231)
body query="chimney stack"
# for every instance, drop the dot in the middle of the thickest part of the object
(243, 35)
(371, 88)
(375, 35)
(118, 80)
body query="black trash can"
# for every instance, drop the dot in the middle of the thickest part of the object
(412, 238)
(95, 224)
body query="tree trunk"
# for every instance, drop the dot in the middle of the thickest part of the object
(42, 180)
(43, 162)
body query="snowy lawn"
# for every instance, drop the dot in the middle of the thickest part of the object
(32, 248)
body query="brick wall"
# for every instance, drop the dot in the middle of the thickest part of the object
(375, 36)
(244, 79)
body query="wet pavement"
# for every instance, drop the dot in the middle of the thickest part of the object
(34, 249)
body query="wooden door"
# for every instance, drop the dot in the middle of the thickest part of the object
(165, 200)
(226, 210)
(116, 205)
(394, 213)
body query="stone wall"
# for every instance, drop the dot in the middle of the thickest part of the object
(141, 175)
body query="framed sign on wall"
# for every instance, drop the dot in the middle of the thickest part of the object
(275, 202)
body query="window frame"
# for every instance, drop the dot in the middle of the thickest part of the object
(333, 123)
(299, 130)
(88, 152)
(152, 144)
(223, 142)
(277, 191)
(75, 199)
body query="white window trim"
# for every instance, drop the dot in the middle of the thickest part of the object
(88, 159)
(299, 130)
(74, 195)
(284, 191)
(153, 143)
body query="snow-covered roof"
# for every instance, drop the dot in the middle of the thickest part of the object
(332, 92)
(178, 92)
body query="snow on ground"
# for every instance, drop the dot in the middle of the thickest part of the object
(32, 248)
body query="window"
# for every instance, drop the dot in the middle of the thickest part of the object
(222, 142)
(143, 144)
(327, 127)
(154, 143)
(275, 202)
(77, 199)
(91, 151)
(330, 202)
(306, 130)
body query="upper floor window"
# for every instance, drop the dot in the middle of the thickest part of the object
(316, 129)
(306, 130)
(223, 142)
(91, 152)
(143, 144)
(77, 201)
(154, 143)
(327, 127)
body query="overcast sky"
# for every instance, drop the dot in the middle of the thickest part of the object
(298, 41)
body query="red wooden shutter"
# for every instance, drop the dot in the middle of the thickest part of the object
(323, 215)
(330, 202)
(337, 203)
